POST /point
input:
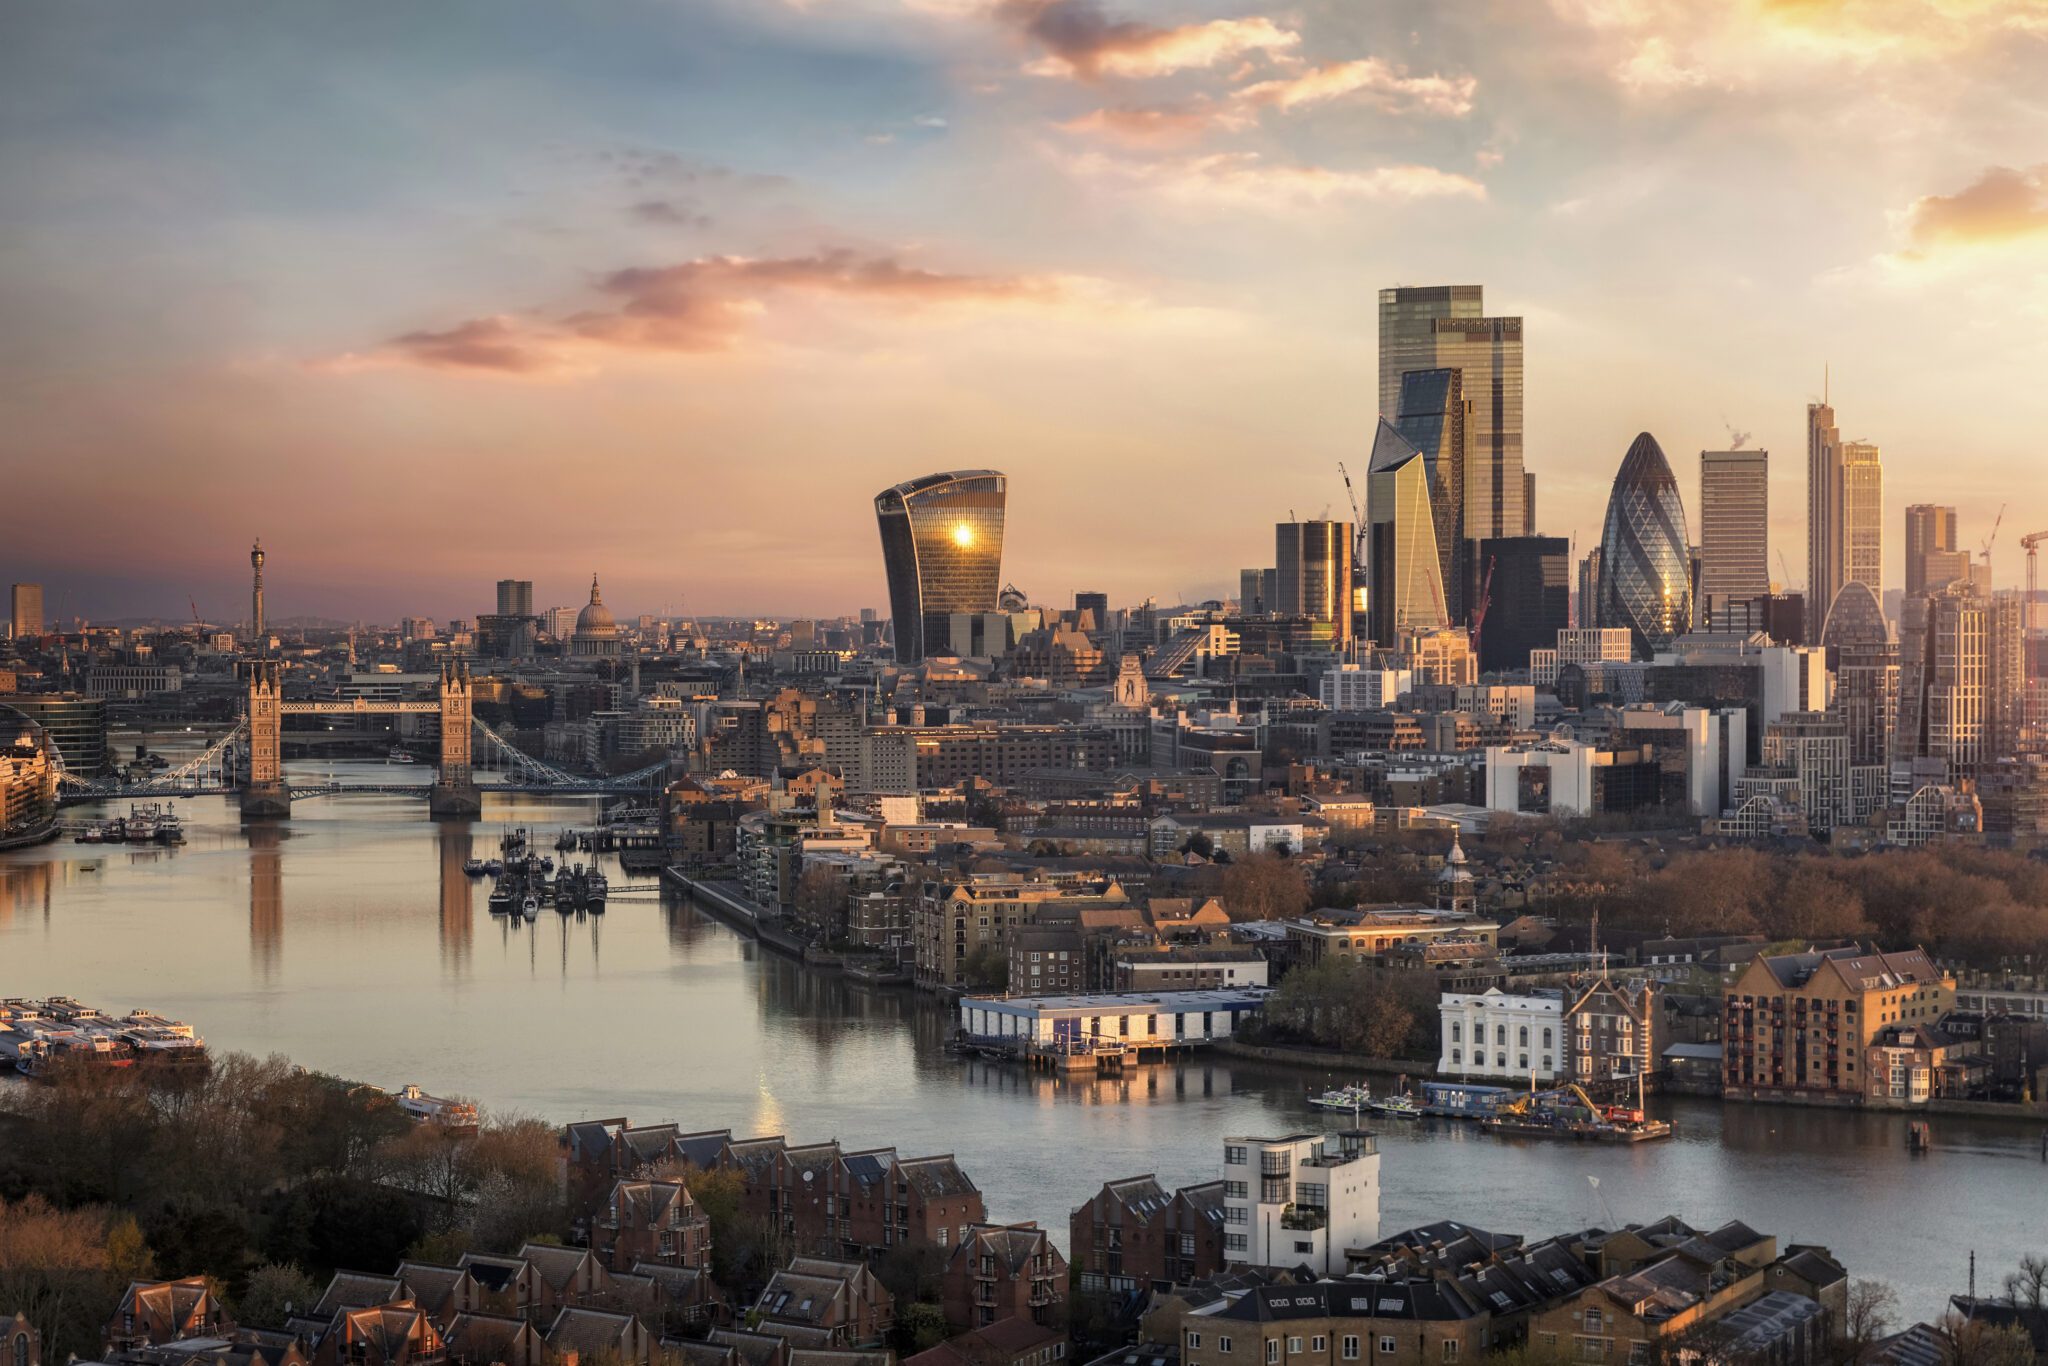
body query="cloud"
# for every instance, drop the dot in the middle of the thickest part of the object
(497, 343)
(1247, 180)
(694, 307)
(1155, 126)
(1380, 83)
(2001, 205)
(1083, 42)
(1665, 47)
(669, 213)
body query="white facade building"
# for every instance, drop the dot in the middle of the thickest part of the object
(1494, 1034)
(1301, 1198)
(1352, 687)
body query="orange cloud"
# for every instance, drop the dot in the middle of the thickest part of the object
(1084, 43)
(1247, 180)
(696, 306)
(1380, 83)
(1158, 126)
(2000, 205)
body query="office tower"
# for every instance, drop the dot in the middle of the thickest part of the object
(1314, 574)
(1532, 587)
(1403, 569)
(559, 622)
(1645, 563)
(1823, 504)
(1929, 528)
(1444, 326)
(256, 624)
(1587, 603)
(1865, 657)
(1862, 515)
(515, 597)
(1528, 503)
(942, 547)
(1435, 417)
(1258, 591)
(27, 610)
(1097, 603)
(1943, 668)
(1735, 511)
(867, 616)
(2005, 679)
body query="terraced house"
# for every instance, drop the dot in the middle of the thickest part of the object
(1800, 1026)
(1135, 1235)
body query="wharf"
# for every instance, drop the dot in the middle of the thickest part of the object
(723, 900)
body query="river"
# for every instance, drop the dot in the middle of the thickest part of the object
(350, 940)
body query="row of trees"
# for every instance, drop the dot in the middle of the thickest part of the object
(1346, 1005)
(256, 1174)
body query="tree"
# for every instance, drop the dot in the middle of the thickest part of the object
(275, 1291)
(821, 902)
(1871, 1313)
(1358, 1009)
(2027, 1288)
(1264, 887)
(54, 1268)
(988, 968)
(339, 1221)
(1199, 844)
(1973, 1342)
(744, 1249)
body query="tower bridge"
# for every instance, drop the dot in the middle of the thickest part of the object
(264, 790)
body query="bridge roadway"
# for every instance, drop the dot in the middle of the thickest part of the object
(593, 788)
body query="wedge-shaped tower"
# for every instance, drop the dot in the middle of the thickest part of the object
(1406, 572)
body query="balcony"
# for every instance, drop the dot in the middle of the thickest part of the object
(1304, 1218)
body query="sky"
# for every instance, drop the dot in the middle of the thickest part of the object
(427, 295)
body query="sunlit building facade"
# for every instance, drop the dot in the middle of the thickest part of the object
(942, 547)
(1865, 658)
(1944, 668)
(1445, 327)
(1402, 564)
(1735, 512)
(1436, 418)
(1645, 560)
(1862, 515)
(1313, 562)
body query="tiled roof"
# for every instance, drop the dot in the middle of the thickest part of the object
(937, 1176)
(588, 1332)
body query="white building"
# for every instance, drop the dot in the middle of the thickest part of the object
(1594, 645)
(1352, 687)
(1494, 1034)
(1302, 1198)
(1134, 1019)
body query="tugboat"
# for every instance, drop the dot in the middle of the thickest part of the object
(595, 889)
(501, 897)
(565, 893)
(1396, 1107)
(1356, 1097)
(473, 867)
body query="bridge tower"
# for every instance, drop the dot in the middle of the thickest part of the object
(455, 796)
(266, 793)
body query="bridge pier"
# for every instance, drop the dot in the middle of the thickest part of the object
(266, 801)
(455, 802)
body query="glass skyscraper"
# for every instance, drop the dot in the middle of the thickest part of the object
(1436, 419)
(1313, 560)
(942, 546)
(1865, 657)
(1844, 510)
(1645, 561)
(1402, 564)
(1444, 326)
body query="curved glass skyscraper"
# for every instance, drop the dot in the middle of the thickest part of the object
(1645, 560)
(942, 545)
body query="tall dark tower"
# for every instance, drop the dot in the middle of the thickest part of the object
(256, 593)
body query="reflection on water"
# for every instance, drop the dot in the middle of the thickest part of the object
(370, 953)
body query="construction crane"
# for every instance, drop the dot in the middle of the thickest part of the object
(1480, 607)
(1786, 566)
(1357, 527)
(1996, 523)
(2030, 544)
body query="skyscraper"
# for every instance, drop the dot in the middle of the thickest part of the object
(1443, 326)
(1862, 516)
(515, 597)
(1865, 657)
(1735, 509)
(26, 609)
(942, 548)
(1944, 665)
(1436, 418)
(1402, 563)
(1645, 561)
(1931, 555)
(1313, 575)
(1532, 598)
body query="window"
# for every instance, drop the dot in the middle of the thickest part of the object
(943, 1241)
(1233, 1242)
(1234, 1190)
(1450, 1349)
(1500, 1035)
(1223, 1346)
(1319, 1343)
(1272, 1351)
(1233, 1155)
(1546, 1044)
(1455, 1058)
(1349, 1347)
(1304, 1247)
(1194, 1341)
(1523, 1040)
(1386, 1346)
(1594, 1319)
(1294, 1346)
(1457, 1032)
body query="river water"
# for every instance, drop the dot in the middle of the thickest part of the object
(350, 940)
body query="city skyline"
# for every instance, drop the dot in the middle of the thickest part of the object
(714, 258)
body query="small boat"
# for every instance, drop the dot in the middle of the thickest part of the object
(399, 756)
(530, 908)
(473, 867)
(501, 896)
(547, 865)
(595, 888)
(1356, 1097)
(1395, 1107)
(564, 842)
(92, 834)
(493, 867)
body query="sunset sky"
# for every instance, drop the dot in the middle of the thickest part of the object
(429, 294)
